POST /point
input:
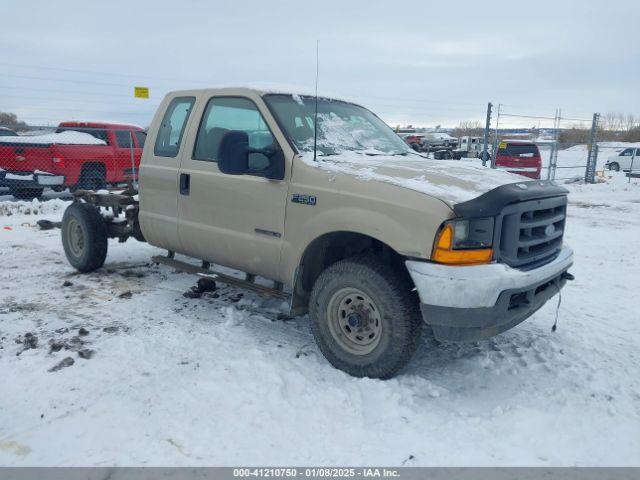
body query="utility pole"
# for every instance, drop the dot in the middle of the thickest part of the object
(495, 140)
(487, 125)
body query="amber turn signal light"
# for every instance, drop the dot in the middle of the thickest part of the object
(443, 251)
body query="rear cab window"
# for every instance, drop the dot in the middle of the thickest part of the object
(507, 149)
(172, 127)
(99, 133)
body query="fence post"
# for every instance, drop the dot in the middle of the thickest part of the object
(553, 156)
(590, 171)
(487, 126)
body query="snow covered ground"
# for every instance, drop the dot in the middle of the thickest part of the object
(226, 379)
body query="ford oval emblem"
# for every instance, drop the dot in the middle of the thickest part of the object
(521, 186)
(550, 230)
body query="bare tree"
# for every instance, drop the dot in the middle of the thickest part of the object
(630, 122)
(10, 120)
(471, 128)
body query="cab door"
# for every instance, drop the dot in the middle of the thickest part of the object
(159, 173)
(233, 220)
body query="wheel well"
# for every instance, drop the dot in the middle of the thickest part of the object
(333, 247)
(91, 167)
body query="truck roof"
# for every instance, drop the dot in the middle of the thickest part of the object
(100, 124)
(259, 91)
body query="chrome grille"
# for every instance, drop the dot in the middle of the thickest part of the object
(531, 232)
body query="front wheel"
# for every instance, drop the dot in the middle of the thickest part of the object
(84, 237)
(365, 317)
(614, 167)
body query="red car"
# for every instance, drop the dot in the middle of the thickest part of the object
(87, 155)
(521, 157)
(414, 141)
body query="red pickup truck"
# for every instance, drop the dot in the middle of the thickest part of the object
(79, 155)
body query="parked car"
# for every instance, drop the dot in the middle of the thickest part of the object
(7, 132)
(519, 156)
(623, 160)
(370, 244)
(439, 139)
(414, 140)
(78, 155)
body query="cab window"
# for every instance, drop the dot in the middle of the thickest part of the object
(123, 138)
(99, 133)
(172, 127)
(224, 114)
(141, 137)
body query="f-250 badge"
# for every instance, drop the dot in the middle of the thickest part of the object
(304, 199)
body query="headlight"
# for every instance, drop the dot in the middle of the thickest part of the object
(464, 242)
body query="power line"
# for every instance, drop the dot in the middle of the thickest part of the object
(64, 100)
(95, 72)
(52, 109)
(67, 80)
(73, 92)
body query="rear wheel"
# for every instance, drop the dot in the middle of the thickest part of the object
(84, 237)
(615, 167)
(21, 193)
(365, 318)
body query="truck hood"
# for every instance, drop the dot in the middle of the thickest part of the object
(451, 181)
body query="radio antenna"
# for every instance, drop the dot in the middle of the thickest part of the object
(315, 116)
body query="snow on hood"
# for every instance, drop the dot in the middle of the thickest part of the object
(449, 180)
(68, 137)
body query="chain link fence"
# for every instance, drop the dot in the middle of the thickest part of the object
(46, 162)
(568, 145)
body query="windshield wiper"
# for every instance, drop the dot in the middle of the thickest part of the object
(384, 154)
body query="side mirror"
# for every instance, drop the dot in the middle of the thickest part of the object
(233, 153)
(233, 157)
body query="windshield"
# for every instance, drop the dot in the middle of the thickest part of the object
(342, 126)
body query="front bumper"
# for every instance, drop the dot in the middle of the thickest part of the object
(475, 302)
(30, 179)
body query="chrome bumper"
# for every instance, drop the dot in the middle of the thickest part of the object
(478, 286)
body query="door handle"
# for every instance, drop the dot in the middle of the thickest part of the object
(185, 183)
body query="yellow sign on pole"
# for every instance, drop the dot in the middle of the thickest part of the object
(141, 92)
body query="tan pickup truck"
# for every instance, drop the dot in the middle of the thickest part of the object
(370, 238)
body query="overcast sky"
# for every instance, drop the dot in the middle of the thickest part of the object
(424, 63)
